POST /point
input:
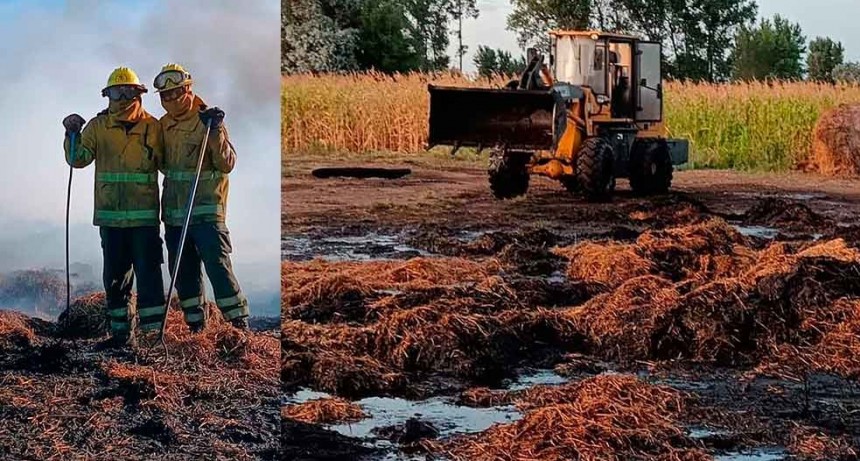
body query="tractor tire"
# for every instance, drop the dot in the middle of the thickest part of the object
(650, 168)
(594, 169)
(509, 174)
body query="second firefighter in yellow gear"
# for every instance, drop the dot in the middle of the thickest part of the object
(125, 143)
(208, 239)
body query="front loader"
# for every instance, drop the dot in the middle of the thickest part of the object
(594, 114)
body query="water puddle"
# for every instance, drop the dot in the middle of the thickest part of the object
(800, 196)
(758, 454)
(757, 231)
(538, 378)
(352, 248)
(705, 432)
(448, 418)
(557, 277)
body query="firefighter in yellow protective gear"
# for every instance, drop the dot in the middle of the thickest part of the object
(126, 144)
(208, 239)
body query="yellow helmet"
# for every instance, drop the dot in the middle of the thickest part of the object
(171, 76)
(124, 76)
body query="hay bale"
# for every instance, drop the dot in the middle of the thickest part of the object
(15, 331)
(836, 142)
(332, 410)
(608, 263)
(85, 318)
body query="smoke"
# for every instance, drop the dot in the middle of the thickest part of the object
(57, 57)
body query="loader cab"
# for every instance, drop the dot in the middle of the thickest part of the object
(622, 71)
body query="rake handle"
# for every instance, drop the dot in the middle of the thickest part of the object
(188, 208)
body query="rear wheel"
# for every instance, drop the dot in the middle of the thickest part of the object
(594, 169)
(650, 167)
(509, 175)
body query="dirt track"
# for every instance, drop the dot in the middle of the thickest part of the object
(444, 209)
(457, 198)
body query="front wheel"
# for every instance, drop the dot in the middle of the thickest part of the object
(594, 169)
(508, 173)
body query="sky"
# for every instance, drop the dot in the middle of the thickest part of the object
(57, 56)
(832, 18)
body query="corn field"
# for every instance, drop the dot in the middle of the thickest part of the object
(747, 126)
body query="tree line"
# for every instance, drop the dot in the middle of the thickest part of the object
(703, 40)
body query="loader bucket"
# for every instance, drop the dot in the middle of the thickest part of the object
(481, 117)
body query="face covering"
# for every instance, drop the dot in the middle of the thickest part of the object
(126, 110)
(179, 107)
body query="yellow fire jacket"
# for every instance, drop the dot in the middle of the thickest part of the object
(127, 164)
(183, 138)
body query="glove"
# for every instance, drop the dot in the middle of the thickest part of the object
(215, 114)
(73, 123)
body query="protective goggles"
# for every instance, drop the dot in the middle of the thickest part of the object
(171, 78)
(122, 92)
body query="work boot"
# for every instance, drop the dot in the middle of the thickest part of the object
(240, 323)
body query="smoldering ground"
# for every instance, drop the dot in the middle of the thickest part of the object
(58, 57)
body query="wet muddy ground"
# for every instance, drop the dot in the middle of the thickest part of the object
(741, 412)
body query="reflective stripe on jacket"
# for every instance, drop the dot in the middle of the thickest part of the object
(127, 163)
(182, 140)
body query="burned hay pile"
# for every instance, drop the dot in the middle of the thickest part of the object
(86, 317)
(700, 251)
(671, 210)
(699, 293)
(608, 263)
(781, 213)
(708, 297)
(487, 244)
(626, 323)
(477, 331)
(15, 331)
(606, 414)
(215, 393)
(810, 444)
(324, 411)
(325, 292)
(836, 142)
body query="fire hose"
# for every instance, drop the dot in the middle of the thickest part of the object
(188, 208)
(72, 138)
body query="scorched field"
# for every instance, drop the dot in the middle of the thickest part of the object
(423, 319)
